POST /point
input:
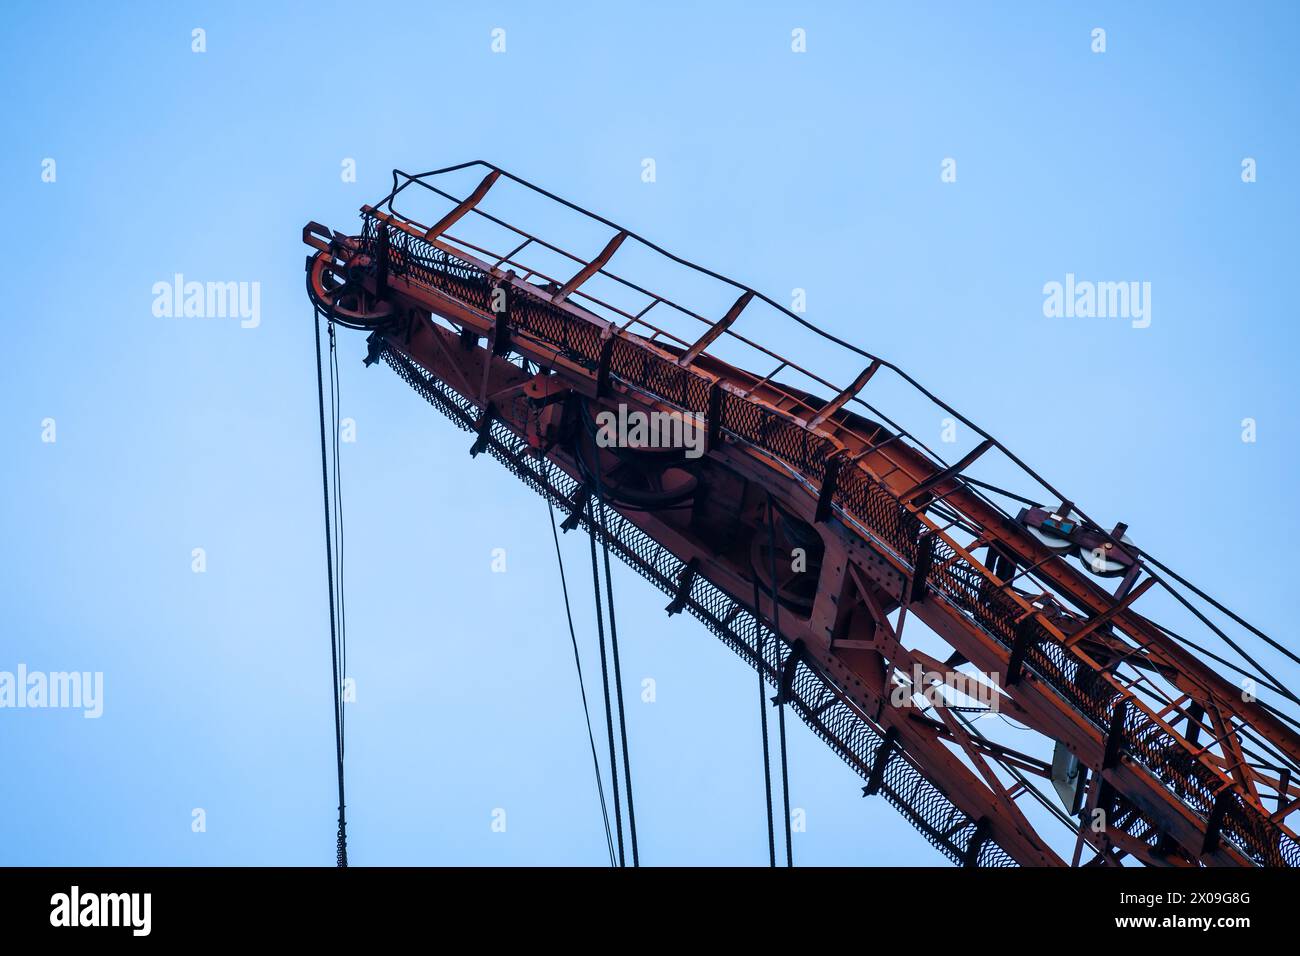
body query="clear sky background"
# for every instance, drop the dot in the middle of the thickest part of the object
(818, 170)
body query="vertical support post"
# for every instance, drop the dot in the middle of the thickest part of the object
(881, 760)
(1115, 736)
(921, 570)
(713, 417)
(827, 493)
(603, 362)
(1214, 825)
(381, 259)
(1024, 634)
(685, 579)
(976, 842)
(788, 669)
(483, 429)
(500, 305)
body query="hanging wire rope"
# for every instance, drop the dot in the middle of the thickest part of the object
(776, 626)
(604, 679)
(582, 687)
(335, 404)
(341, 843)
(604, 676)
(618, 673)
(760, 648)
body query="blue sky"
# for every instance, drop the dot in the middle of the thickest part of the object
(818, 170)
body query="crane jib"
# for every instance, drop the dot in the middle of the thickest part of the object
(1162, 746)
